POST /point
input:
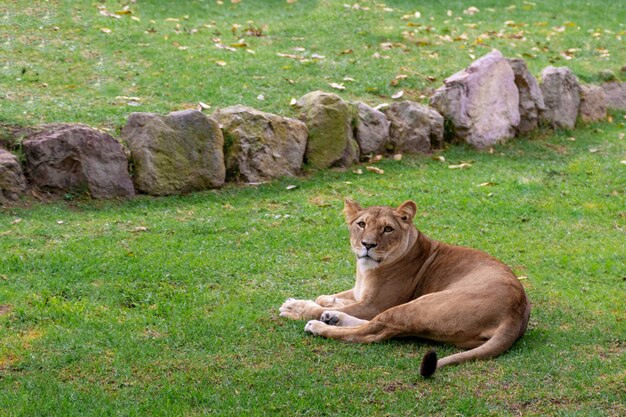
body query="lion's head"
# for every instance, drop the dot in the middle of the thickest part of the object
(379, 235)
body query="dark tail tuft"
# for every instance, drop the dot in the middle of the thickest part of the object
(429, 364)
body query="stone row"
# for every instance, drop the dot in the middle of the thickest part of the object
(491, 101)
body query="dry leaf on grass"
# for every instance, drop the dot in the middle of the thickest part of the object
(462, 165)
(375, 170)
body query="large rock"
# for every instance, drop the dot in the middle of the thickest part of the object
(261, 146)
(561, 95)
(77, 158)
(12, 181)
(331, 141)
(371, 130)
(530, 98)
(177, 153)
(593, 103)
(414, 127)
(615, 92)
(481, 102)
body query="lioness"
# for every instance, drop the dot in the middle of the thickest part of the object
(410, 285)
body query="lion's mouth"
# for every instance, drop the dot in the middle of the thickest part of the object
(369, 258)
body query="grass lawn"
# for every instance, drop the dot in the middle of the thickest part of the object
(169, 306)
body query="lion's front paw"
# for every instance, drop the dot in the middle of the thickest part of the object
(296, 309)
(314, 327)
(325, 300)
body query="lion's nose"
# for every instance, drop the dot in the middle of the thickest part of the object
(368, 245)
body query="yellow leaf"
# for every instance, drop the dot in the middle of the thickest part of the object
(462, 165)
(375, 170)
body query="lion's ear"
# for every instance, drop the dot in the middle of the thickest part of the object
(351, 209)
(407, 211)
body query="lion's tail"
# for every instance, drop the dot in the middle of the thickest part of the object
(503, 339)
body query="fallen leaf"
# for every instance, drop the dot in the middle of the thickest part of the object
(349, 79)
(105, 30)
(139, 229)
(60, 222)
(291, 187)
(293, 102)
(471, 11)
(397, 157)
(337, 86)
(623, 162)
(317, 56)
(398, 94)
(375, 170)
(487, 184)
(203, 106)
(593, 150)
(16, 221)
(571, 139)
(357, 171)
(522, 277)
(260, 97)
(375, 158)
(439, 158)
(220, 63)
(462, 165)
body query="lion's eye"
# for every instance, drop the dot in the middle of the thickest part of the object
(388, 229)
(361, 225)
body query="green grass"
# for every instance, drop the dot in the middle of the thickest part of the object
(182, 319)
(99, 316)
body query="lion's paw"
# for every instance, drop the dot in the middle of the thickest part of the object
(325, 300)
(332, 318)
(296, 309)
(314, 327)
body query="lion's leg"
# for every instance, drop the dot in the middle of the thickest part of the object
(368, 332)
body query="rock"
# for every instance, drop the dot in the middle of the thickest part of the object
(261, 146)
(176, 153)
(481, 102)
(414, 127)
(530, 98)
(77, 158)
(561, 95)
(615, 95)
(593, 103)
(331, 141)
(12, 181)
(607, 75)
(371, 130)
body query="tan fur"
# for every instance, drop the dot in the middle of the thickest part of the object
(410, 285)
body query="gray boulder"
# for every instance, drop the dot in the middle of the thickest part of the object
(561, 95)
(371, 130)
(261, 146)
(530, 98)
(77, 158)
(481, 102)
(414, 128)
(177, 153)
(331, 140)
(12, 181)
(615, 92)
(593, 103)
